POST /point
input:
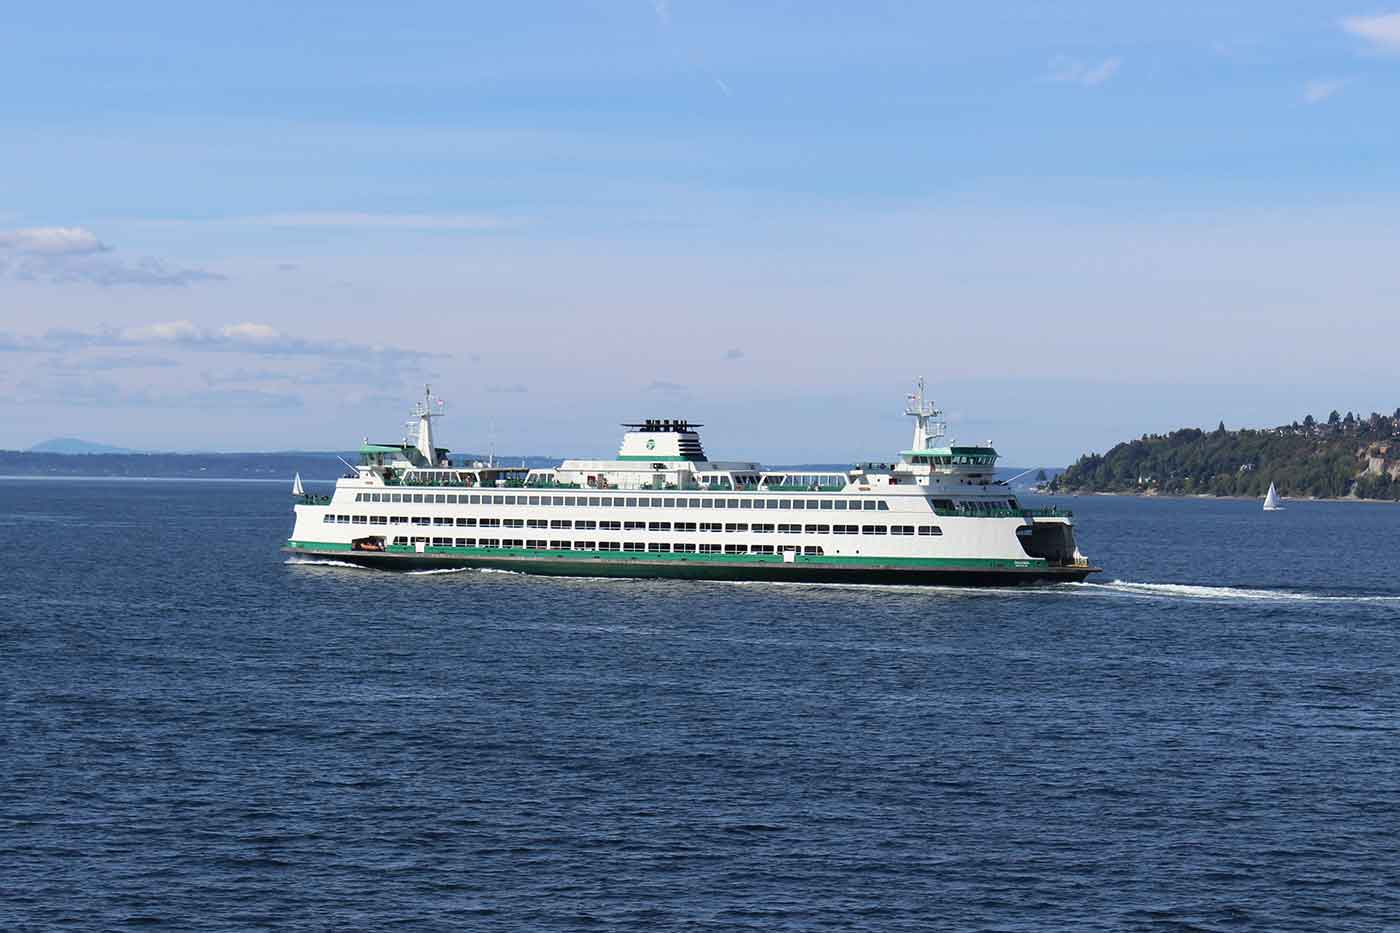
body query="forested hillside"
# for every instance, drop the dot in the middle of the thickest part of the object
(1342, 456)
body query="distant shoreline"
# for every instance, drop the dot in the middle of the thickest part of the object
(1206, 495)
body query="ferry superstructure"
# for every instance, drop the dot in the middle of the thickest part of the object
(662, 508)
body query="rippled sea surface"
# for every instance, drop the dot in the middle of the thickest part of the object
(198, 734)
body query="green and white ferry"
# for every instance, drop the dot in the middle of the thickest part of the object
(662, 508)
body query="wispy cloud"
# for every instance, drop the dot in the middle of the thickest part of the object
(74, 255)
(663, 11)
(1064, 70)
(95, 364)
(99, 393)
(734, 354)
(337, 372)
(345, 220)
(513, 388)
(1382, 30)
(661, 385)
(52, 241)
(244, 337)
(1314, 92)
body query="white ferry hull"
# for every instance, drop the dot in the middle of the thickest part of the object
(875, 571)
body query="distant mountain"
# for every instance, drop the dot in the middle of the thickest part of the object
(73, 445)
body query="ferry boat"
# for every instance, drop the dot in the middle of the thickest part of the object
(663, 508)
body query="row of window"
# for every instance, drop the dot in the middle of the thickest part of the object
(631, 502)
(975, 506)
(650, 547)
(565, 524)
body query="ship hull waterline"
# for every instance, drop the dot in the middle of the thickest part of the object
(952, 574)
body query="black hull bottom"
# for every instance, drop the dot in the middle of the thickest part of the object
(703, 570)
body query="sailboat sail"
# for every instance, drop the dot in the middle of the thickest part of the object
(296, 486)
(1271, 501)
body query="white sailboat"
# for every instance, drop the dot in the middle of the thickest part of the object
(296, 486)
(1272, 503)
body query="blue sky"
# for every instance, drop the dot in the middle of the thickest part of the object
(264, 226)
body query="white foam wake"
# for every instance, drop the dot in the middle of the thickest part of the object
(1231, 593)
(424, 573)
(322, 562)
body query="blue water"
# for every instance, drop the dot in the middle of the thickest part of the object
(199, 735)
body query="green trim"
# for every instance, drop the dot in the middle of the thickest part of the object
(838, 560)
(381, 449)
(318, 545)
(667, 459)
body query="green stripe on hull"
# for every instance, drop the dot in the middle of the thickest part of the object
(827, 569)
(837, 560)
(780, 572)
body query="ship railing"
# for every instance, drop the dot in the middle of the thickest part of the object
(309, 499)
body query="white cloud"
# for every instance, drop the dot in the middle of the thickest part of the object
(249, 331)
(249, 338)
(663, 11)
(1382, 30)
(166, 330)
(1317, 91)
(52, 241)
(1065, 70)
(71, 255)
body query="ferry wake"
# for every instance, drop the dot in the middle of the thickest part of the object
(662, 508)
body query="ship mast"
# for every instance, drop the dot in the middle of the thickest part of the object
(928, 418)
(421, 425)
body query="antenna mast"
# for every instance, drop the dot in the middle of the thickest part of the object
(421, 424)
(928, 417)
